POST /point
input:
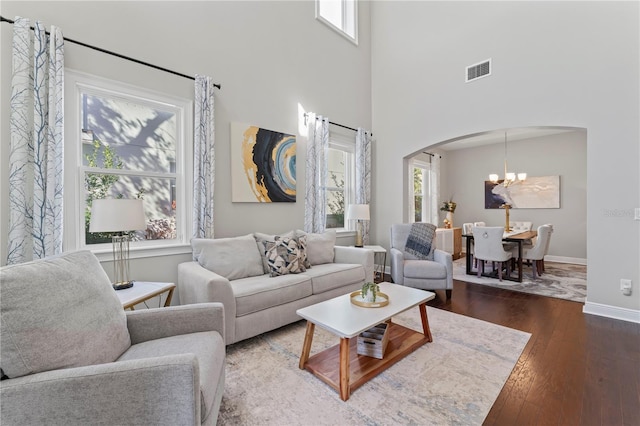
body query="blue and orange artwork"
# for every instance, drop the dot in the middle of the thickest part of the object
(263, 165)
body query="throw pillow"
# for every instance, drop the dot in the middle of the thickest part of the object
(260, 239)
(59, 312)
(302, 249)
(232, 258)
(319, 246)
(420, 241)
(283, 256)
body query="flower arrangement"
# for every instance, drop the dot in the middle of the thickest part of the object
(449, 206)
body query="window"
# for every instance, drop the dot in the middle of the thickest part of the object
(340, 181)
(340, 15)
(419, 206)
(127, 142)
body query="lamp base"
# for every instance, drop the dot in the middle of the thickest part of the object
(122, 285)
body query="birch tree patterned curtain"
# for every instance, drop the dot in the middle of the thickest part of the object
(36, 146)
(363, 175)
(203, 158)
(315, 218)
(434, 190)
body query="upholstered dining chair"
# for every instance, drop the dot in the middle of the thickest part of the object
(71, 355)
(488, 248)
(536, 253)
(409, 270)
(467, 229)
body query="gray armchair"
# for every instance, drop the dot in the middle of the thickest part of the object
(71, 355)
(406, 269)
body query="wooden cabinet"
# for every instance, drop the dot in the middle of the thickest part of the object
(450, 240)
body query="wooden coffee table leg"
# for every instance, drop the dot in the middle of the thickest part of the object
(306, 347)
(425, 322)
(345, 390)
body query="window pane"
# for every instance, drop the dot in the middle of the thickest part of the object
(336, 161)
(335, 209)
(417, 181)
(140, 136)
(417, 206)
(331, 10)
(158, 195)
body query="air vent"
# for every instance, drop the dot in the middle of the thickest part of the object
(478, 70)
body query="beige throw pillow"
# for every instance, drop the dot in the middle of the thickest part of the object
(320, 246)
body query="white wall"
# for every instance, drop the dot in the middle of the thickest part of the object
(564, 155)
(269, 57)
(570, 64)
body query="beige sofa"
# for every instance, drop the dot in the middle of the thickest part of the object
(235, 272)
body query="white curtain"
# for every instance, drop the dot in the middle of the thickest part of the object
(435, 188)
(363, 175)
(36, 147)
(203, 158)
(315, 204)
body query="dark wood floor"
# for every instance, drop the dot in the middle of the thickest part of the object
(576, 369)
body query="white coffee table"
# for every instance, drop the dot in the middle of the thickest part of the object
(346, 320)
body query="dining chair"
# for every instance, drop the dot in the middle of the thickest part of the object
(488, 248)
(536, 253)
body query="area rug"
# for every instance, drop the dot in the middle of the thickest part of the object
(560, 280)
(453, 380)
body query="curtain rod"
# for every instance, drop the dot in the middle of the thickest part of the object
(108, 52)
(340, 125)
(431, 154)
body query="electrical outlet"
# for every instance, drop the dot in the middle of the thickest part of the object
(625, 287)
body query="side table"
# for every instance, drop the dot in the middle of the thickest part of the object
(143, 291)
(379, 253)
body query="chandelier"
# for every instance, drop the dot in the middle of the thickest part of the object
(509, 177)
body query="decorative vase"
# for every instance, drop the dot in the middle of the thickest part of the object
(450, 219)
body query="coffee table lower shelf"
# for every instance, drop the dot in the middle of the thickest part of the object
(326, 364)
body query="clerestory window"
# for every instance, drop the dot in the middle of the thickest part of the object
(340, 15)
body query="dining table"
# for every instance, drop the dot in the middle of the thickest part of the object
(517, 237)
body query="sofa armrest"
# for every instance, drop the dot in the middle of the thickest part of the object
(445, 259)
(199, 285)
(152, 324)
(107, 394)
(344, 254)
(396, 261)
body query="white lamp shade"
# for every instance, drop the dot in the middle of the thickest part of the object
(493, 178)
(357, 212)
(116, 215)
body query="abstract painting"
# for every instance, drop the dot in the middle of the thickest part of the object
(263, 165)
(534, 193)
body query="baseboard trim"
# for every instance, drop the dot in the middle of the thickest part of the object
(563, 259)
(609, 311)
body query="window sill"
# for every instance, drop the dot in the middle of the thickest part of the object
(104, 255)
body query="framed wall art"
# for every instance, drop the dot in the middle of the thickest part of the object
(263, 165)
(534, 193)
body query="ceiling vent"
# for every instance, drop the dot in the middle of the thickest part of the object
(479, 70)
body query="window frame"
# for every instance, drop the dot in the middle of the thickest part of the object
(78, 83)
(345, 14)
(344, 144)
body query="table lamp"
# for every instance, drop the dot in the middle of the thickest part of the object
(358, 212)
(119, 216)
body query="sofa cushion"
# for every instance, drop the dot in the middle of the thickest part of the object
(328, 276)
(233, 258)
(261, 238)
(424, 269)
(320, 246)
(59, 312)
(283, 256)
(255, 294)
(209, 349)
